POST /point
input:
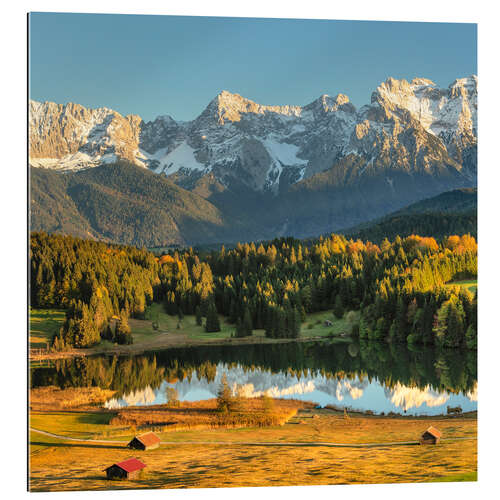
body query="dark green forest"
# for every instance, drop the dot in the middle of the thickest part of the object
(452, 212)
(397, 286)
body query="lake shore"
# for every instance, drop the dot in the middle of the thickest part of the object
(173, 333)
(168, 341)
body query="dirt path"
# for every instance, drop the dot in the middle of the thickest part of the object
(254, 443)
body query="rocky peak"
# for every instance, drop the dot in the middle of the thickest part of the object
(410, 124)
(229, 107)
(464, 87)
(80, 136)
(422, 82)
(328, 104)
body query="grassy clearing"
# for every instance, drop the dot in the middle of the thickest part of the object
(79, 424)
(43, 324)
(188, 333)
(51, 398)
(187, 326)
(76, 466)
(470, 285)
(313, 326)
(456, 478)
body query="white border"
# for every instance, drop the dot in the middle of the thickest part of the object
(13, 199)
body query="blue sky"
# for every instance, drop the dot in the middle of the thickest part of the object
(152, 65)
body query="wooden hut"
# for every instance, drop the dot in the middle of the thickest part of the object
(430, 436)
(127, 469)
(148, 441)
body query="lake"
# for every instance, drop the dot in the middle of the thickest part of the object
(359, 376)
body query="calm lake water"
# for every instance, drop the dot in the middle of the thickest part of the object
(363, 376)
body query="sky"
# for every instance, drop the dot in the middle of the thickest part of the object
(157, 65)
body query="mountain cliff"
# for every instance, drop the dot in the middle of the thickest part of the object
(299, 170)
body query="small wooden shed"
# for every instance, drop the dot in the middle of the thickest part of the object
(127, 469)
(148, 441)
(430, 436)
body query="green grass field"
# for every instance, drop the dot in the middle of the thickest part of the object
(188, 325)
(86, 425)
(43, 324)
(313, 326)
(456, 478)
(172, 332)
(470, 285)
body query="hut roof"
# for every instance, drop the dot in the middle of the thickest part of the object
(130, 465)
(434, 432)
(148, 439)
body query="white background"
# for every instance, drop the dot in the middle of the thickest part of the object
(13, 199)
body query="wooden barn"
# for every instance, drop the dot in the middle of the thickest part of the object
(430, 436)
(127, 469)
(148, 441)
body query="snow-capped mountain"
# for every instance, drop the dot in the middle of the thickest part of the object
(258, 171)
(408, 126)
(353, 393)
(71, 137)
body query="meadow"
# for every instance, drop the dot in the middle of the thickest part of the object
(254, 412)
(174, 333)
(43, 324)
(288, 454)
(470, 285)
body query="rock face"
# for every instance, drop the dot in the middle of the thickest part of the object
(414, 126)
(71, 137)
(297, 170)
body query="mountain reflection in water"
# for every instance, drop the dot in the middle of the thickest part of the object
(365, 376)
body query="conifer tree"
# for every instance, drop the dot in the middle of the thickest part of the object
(338, 309)
(247, 323)
(199, 316)
(224, 396)
(123, 333)
(212, 323)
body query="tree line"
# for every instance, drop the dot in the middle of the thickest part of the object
(398, 287)
(99, 285)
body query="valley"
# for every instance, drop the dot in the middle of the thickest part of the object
(253, 252)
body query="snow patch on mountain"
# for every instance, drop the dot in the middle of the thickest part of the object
(73, 162)
(172, 161)
(252, 144)
(283, 152)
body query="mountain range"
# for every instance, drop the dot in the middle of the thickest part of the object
(242, 170)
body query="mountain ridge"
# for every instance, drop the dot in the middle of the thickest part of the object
(233, 129)
(282, 170)
(451, 212)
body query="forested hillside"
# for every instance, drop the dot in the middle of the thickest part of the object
(452, 212)
(122, 203)
(398, 287)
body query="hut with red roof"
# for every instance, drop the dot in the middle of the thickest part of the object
(127, 469)
(430, 436)
(148, 441)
